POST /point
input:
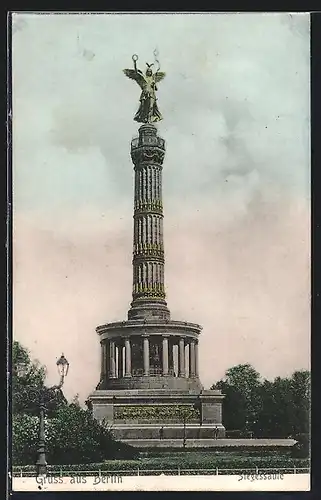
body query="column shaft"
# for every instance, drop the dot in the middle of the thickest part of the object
(103, 361)
(107, 359)
(112, 359)
(170, 356)
(181, 358)
(192, 358)
(146, 355)
(165, 356)
(120, 361)
(196, 360)
(128, 368)
(148, 215)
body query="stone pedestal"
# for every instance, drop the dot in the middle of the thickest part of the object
(160, 414)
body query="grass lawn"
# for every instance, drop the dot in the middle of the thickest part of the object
(207, 460)
(182, 460)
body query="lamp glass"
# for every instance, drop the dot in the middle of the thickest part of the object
(62, 366)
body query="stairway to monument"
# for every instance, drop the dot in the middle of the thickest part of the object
(172, 443)
(274, 444)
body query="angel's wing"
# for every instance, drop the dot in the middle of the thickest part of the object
(135, 75)
(159, 76)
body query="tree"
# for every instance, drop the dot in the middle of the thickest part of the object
(242, 404)
(72, 435)
(276, 413)
(32, 375)
(80, 438)
(301, 397)
(27, 384)
(25, 438)
(275, 409)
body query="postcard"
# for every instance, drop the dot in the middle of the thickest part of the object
(160, 251)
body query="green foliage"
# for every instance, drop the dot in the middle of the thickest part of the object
(242, 402)
(72, 435)
(24, 438)
(26, 375)
(28, 382)
(263, 408)
(25, 431)
(82, 439)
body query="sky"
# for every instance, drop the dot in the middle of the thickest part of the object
(236, 184)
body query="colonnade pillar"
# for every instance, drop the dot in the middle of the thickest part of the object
(109, 348)
(196, 359)
(103, 361)
(127, 358)
(112, 359)
(192, 358)
(120, 360)
(146, 355)
(165, 355)
(181, 358)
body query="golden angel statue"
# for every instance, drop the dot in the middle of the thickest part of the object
(148, 111)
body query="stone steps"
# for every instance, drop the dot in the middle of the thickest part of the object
(210, 443)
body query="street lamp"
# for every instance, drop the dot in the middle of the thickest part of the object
(63, 368)
(40, 396)
(184, 436)
(184, 416)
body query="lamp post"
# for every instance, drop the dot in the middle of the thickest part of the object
(63, 368)
(40, 396)
(184, 416)
(184, 435)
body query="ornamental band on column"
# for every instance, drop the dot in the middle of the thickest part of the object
(149, 362)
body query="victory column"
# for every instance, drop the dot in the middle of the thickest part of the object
(149, 363)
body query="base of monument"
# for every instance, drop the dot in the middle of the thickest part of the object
(157, 414)
(169, 432)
